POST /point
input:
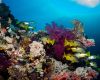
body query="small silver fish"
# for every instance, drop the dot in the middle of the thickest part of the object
(93, 57)
(82, 55)
(78, 50)
(93, 64)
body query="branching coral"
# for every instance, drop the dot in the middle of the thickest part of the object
(87, 42)
(86, 73)
(18, 73)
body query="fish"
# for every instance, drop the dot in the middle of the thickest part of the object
(29, 22)
(71, 43)
(47, 40)
(70, 57)
(93, 64)
(82, 55)
(25, 25)
(78, 49)
(93, 57)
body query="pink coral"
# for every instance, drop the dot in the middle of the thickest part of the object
(73, 76)
(87, 42)
(91, 74)
(61, 76)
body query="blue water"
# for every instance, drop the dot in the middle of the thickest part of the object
(60, 11)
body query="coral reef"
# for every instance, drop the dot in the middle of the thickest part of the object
(55, 54)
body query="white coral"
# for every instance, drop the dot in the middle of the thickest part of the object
(36, 49)
(80, 71)
(8, 39)
(59, 66)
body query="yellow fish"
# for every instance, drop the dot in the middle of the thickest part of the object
(70, 43)
(47, 40)
(70, 57)
(82, 55)
(78, 49)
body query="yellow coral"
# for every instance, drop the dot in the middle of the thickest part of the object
(21, 50)
(1, 48)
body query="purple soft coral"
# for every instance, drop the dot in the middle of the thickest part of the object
(57, 32)
(4, 62)
(59, 50)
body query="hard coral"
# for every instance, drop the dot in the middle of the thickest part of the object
(73, 76)
(91, 74)
(36, 49)
(61, 76)
(86, 73)
(87, 42)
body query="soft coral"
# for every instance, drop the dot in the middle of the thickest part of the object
(56, 32)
